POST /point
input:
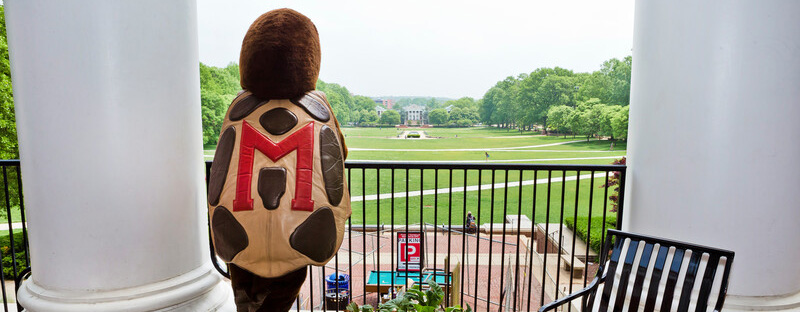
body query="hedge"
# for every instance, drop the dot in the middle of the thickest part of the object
(597, 229)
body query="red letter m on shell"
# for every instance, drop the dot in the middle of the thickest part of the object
(302, 141)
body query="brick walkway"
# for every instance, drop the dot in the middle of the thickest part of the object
(494, 274)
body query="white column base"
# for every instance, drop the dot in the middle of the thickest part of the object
(771, 303)
(201, 289)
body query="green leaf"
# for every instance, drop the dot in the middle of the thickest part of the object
(352, 307)
(435, 293)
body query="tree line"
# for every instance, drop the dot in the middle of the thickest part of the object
(8, 126)
(560, 100)
(220, 85)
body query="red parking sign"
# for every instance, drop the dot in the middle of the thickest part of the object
(409, 251)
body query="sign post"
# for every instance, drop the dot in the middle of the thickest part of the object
(410, 255)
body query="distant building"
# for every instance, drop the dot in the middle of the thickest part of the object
(386, 103)
(448, 108)
(414, 114)
(379, 110)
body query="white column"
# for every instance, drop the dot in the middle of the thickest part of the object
(108, 115)
(714, 150)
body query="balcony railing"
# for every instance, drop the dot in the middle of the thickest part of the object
(522, 254)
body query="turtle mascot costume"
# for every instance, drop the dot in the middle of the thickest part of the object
(277, 196)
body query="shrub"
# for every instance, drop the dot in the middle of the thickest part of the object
(463, 123)
(8, 264)
(596, 235)
(614, 181)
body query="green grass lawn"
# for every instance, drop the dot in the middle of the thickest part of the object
(437, 208)
(448, 208)
(16, 216)
(452, 143)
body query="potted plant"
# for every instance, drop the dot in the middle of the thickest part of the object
(413, 300)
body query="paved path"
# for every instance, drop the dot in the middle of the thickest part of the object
(471, 188)
(459, 149)
(14, 225)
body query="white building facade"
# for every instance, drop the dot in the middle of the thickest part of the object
(414, 114)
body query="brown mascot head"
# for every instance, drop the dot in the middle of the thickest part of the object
(280, 55)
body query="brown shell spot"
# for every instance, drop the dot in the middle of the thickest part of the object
(314, 105)
(245, 106)
(278, 121)
(316, 236)
(229, 236)
(271, 186)
(219, 168)
(332, 165)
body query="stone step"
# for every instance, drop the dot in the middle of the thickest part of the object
(563, 234)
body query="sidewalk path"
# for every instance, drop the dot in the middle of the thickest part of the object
(14, 225)
(460, 149)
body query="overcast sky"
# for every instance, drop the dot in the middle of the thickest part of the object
(434, 48)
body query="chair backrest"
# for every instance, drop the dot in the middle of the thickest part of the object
(645, 273)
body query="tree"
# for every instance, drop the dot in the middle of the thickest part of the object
(212, 108)
(606, 125)
(488, 106)
(593, 120)
(532, 110)
(355, 117)
(456, 113)
(390, 117)
(507, 105)
(438, 116)
(577, 122)
(619, 123)
(559, 118)
(340, 99)
(361, 102)
(8, 125)
(432, 104)
(619, 74)
(539, 91)
(554, 90)
(462, 103)
(218, 88)
(471, 114)
(369, 116)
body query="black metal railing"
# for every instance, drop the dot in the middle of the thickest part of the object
(505, 264)
(502, 265)
(15, 257)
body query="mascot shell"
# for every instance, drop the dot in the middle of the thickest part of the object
(277, 195)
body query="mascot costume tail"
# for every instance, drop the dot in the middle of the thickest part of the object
(277, 196)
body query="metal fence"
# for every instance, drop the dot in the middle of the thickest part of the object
(532, 242)
(15, 257)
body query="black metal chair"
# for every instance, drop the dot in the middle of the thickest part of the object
(646, 258)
